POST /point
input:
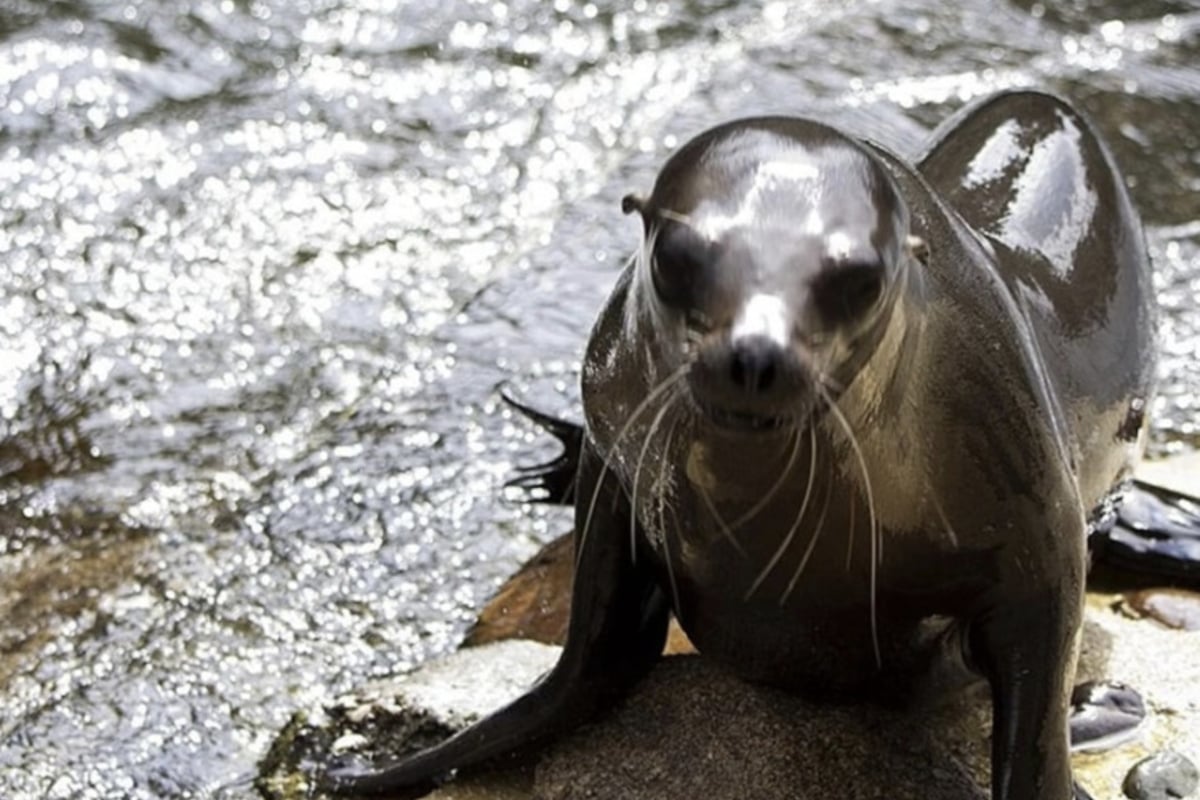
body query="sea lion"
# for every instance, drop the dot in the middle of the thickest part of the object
(847, 417)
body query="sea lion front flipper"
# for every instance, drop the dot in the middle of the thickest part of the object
(617, 630)
(1156, 532)
(1025, 648)
(1024, 638)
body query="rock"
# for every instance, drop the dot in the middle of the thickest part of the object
(1175, 608)
(1180, 473)
(1162, 776)
(691, 730)
(459, 688)
(533, 603)
(388, 719)
(536, 602)
(1104, 715)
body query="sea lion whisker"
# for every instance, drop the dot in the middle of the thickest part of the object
(663, 387)
(771, 492)
(722, 525)
(692, 340)
(811, 544)
(875, 539)
(637, 472)
(937, 507)
(791, 534)
(663, 506)
(830, 384)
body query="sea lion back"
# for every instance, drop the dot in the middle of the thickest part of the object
(1028, 173)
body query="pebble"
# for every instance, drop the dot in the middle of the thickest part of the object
(1175, 608)
(1104, 715)
(1162, 776)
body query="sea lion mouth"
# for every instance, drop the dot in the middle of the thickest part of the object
(744, 421)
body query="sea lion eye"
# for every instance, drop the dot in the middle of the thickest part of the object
(682, 261)
(844, 292)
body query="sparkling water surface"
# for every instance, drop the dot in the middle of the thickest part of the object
(264, 265)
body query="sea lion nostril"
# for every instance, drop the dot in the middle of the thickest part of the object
(753, 364)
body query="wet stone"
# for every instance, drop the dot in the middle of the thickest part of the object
(1162, 776)
(1104, 715)
(400, 716)
(1175, 608)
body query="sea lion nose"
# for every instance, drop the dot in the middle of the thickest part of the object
(754, 363)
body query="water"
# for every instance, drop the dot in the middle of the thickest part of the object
(265, 265)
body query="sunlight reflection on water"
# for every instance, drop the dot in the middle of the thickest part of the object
(265, 264)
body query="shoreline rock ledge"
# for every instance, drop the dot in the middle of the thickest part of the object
(689, 730)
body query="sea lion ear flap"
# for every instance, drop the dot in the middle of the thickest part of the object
(918, 248)
(633, 202)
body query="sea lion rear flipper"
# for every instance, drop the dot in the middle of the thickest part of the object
(553, 481)
(1156, 532)
(617, 631)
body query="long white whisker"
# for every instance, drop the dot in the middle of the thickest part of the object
(831, 385)
(766, 498)
(657, 392)
(663, 506)
(942, 516)
(723, 526)
(850, 538)
(675, 216)
(637, 473)
(811, 544)
(875, 538)
(787, 540)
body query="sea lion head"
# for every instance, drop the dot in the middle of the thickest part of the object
(774, 250)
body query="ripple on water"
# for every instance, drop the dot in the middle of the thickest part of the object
(265, 264)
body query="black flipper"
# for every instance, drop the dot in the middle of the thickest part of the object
(1023, 646)
(616, 633)
(554, 481)
(1156, 532)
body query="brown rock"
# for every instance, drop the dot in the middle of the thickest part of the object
(532, 604)
(535, 603)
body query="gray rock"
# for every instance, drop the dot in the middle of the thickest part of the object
(692, 731)
(461, 687)
(388, 719)
(1163, 776)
